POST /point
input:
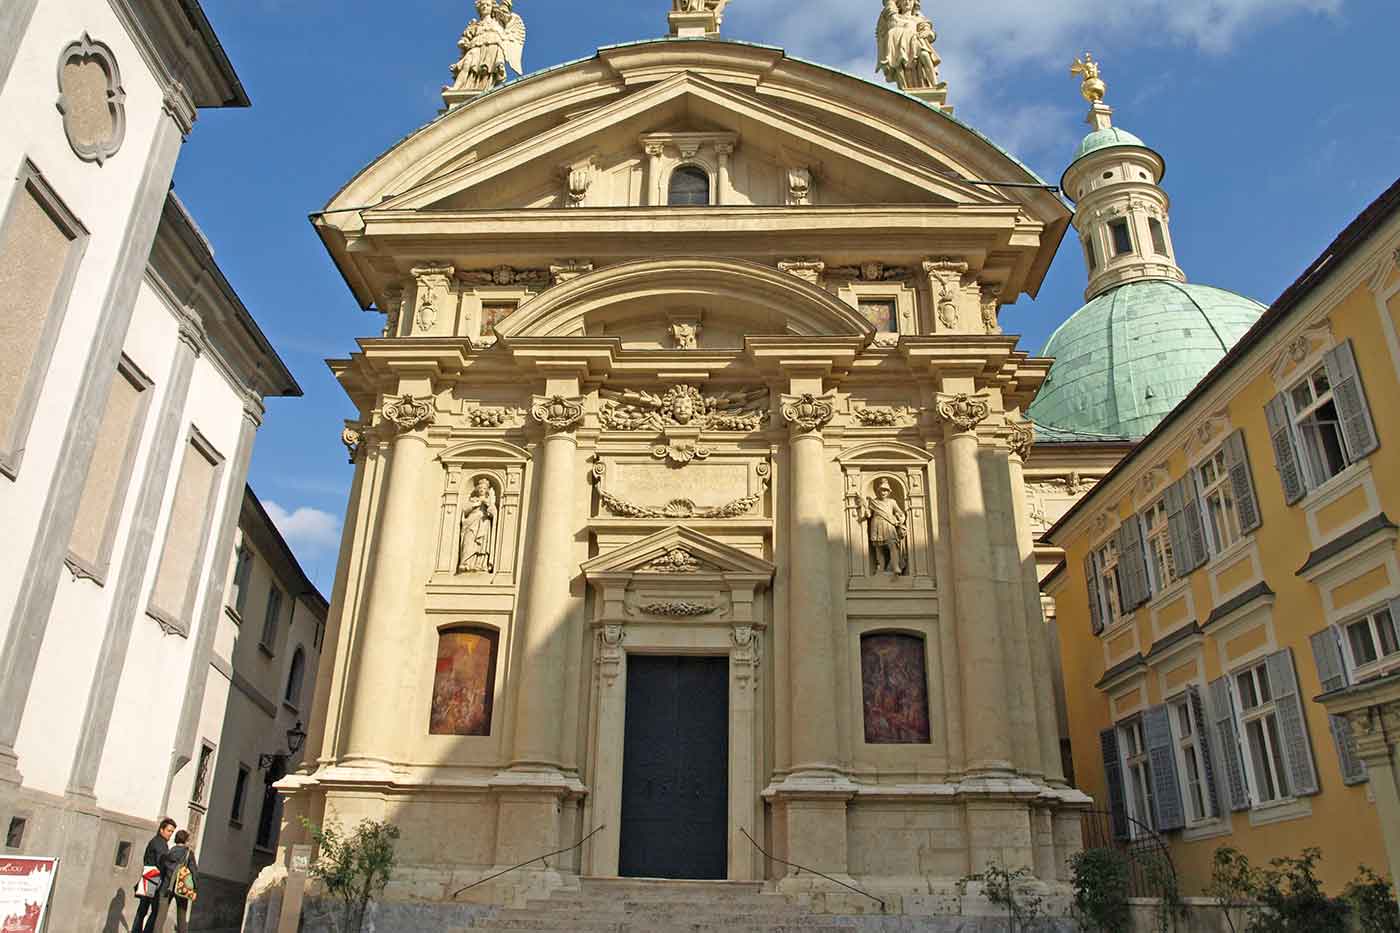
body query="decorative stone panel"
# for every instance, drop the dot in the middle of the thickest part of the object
(91, 99)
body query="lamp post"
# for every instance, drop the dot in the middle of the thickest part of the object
(275, 764)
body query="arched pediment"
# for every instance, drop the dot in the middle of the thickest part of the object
(623, 296)
(484, 451)
(884, 452)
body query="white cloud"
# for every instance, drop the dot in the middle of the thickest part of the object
(306, 527)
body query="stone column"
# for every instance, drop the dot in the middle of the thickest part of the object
(813, 669)
(722, 153)
(1374, 729)
(539, 689)
(1042, 664)
(656, 197)
(374, 720)
(986, 729)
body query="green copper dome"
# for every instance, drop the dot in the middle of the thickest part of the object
(1130, 356)
(1106, 138)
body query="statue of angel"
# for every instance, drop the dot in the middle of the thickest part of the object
(904, 39)
(495, 39)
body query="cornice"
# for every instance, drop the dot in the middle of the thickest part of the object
(182, 51)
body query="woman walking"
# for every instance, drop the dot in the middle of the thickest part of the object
(181, 876)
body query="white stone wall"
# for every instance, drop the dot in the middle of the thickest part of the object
(102, 198)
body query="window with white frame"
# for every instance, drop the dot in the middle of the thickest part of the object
(1157, 530)
(270, 618)
(1372, 642)
(1106, 559)
(1218, 501)
(1137, 769)
(1318, 427)
(1192, 765)
(1262, 740)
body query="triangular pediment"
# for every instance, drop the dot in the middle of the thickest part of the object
(678, 552)
(606, 142)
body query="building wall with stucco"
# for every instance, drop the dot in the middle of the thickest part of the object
(1286, 591)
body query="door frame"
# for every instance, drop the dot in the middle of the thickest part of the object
(741, 643)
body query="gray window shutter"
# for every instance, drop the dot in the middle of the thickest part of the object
(1132, 565)
(1285, 453)
(1113, 778)
(1332, 673)
(1297, 750)
(1091, 582)
(1223, 717)
(1166, 787)
(1242, 479)
(1357, 426)
(1195, 525)
(1193, 695)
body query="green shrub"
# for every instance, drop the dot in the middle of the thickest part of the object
(1100, 878)
(1372, 901)
(354, 868)
(1291, 899)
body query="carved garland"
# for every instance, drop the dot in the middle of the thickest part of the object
(676, 560)
(677, 508)
(682, 406)
(679, 609)
(885, 417)
(409, 413)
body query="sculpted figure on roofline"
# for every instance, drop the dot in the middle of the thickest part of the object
(904, 39)
(494, 39)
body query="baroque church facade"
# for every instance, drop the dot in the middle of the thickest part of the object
(689, 511)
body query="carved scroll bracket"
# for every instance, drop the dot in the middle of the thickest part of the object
(409, 413)
(807, 413)
(964, 412)
(1021, 439)
(557, 413)
(945, 278)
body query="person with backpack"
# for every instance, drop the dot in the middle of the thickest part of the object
(151, 882)
(181, 878)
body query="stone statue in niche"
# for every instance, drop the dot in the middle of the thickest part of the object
(888, 529)
(478, 534)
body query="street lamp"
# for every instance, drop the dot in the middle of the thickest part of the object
(296, 736)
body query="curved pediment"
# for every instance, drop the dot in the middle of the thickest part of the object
(725, 298)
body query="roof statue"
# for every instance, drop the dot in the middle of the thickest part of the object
(904, 39)
(696, 19)
(1092, 87)
(495, 39)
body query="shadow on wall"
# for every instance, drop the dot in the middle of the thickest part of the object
(116, 913)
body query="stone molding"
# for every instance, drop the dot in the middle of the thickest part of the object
(81, 52)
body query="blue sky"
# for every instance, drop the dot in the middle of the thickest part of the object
(1279, 120)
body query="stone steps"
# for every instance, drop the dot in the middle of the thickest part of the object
(609, 905)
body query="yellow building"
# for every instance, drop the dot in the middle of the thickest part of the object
(1236, 566)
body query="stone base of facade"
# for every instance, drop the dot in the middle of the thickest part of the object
(91, 891)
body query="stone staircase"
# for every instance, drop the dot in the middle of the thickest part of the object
(612, 905)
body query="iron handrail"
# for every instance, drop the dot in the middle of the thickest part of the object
(538, 858)
(802, 868)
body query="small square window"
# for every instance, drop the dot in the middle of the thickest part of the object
(14, 836)
(123, 855)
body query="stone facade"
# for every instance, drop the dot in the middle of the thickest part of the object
(779, 426)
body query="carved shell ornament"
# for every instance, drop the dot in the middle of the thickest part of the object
(681, 452)
(675, 560)
(557, 412)
(808, 413)
(409, 413)
(964, 412)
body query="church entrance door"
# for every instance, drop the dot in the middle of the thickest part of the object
(675, 768)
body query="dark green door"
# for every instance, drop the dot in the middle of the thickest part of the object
(675, 768)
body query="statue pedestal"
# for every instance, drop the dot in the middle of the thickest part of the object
(937, 95)
(454, 98)
(694, 25)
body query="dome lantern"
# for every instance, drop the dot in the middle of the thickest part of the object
(1122, 213)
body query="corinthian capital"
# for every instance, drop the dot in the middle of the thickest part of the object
(557, 413)
(807, 413)
(964, 412)
(1022, 437)
(408, 413)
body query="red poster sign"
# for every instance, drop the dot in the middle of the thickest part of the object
(25, 887)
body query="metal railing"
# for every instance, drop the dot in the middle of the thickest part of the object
(810, 871)
(1151, 872)
(539, 858)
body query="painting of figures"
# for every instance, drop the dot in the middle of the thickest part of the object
(895, 688)
(464, 683)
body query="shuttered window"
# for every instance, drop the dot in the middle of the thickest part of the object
(1137, 777)
(1185, 526)
(1332, 674)
(1132, 565)
(1091, 588)
(1113, 778)
(1160, 560)
(1372, 642)
(1170, 809)
(1274, 735)
(1322, 424)
(1194, 763)
(1232, 774)
(1107, 582)
(1218, 503)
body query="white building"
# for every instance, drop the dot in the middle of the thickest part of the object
(261, 675)
(130, 390)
